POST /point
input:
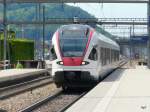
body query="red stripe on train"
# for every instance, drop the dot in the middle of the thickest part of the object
(72, 61)
(88, 43)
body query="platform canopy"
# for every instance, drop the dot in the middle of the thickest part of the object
(75, 1)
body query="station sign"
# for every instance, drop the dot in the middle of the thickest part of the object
(139, 39)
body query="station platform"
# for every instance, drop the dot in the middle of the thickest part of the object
(13, 74)
(125, 90)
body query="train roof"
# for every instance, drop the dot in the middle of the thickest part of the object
(75, 26)
(105, 39)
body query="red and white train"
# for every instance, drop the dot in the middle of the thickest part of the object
(81, 56)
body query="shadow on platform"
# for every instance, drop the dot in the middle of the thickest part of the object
(1, 110)
(114, 76)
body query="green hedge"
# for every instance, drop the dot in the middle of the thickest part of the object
(1, 49)
(18, 49)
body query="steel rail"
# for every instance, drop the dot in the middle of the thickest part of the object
(41, 102)
(70, 104)
(6, 92)
(23, 83)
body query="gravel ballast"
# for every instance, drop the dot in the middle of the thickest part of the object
(57, 104)
(16, 103)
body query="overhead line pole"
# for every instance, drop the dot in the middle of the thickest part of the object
(43, 32)
(130, 44)
(148, 44)
(39, 32)
(5, 32)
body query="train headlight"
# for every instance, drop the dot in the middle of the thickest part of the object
(60, 63)
(85, 63)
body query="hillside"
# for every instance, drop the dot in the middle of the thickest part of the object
(27, 12)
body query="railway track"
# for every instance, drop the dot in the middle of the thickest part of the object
(58, 102)
(15, 89)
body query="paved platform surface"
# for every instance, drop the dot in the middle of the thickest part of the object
(11, 74)
(125, 90)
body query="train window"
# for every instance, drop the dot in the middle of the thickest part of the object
(52, 53)
(80, 33)
(112, 57)
(118, 55)
(93, 55)
(73, 42)
(103, 56)
(115, 55)
(73, 47)
(108, 56)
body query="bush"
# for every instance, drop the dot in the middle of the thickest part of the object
(19, 66)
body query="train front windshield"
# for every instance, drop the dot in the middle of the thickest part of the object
(73, 42)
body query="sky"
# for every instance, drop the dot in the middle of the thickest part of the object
(115, 10)
(107, 10)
